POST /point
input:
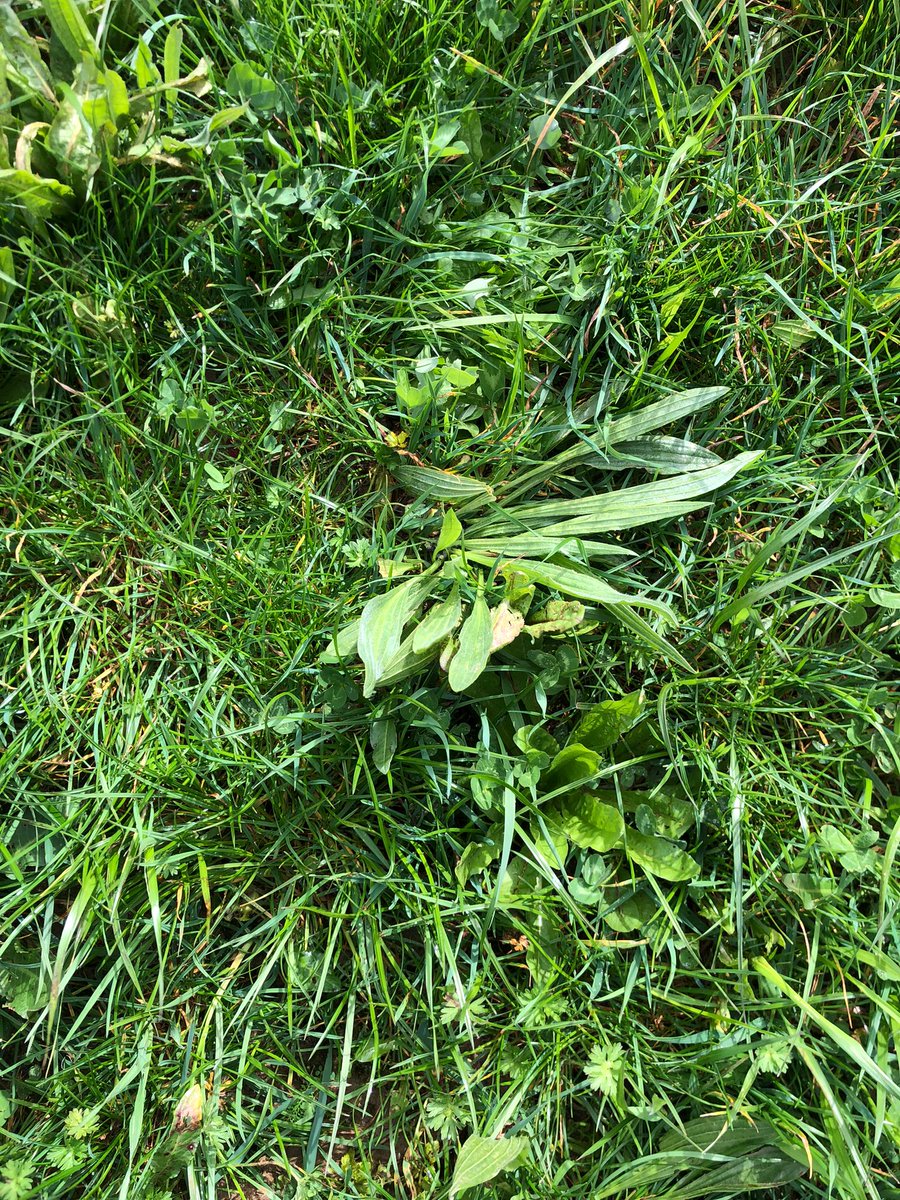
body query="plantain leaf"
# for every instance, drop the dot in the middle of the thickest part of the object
(482, 1159)
(622, 509)
(582, 585)
(383, 740)
(68, 23)
(660, 857)
(475, 639)
(440, 485)
(451, 531)
(439, 623)
(534, 545)
(667, 411)
(381, 626)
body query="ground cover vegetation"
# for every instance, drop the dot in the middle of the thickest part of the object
(451, 573)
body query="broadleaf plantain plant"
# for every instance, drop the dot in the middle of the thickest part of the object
(509, 571)
(65, 114)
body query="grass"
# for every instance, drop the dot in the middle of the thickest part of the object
(206, 878)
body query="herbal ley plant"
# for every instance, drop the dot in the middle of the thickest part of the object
(457, 612)
(65, 113)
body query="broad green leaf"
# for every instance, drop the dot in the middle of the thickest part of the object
(383, 740)
(673, 814)
(476, 857)
(573, 765)
(793, 333)
(634, 913)
(381, 625)
(557, 616)
(588, 822)
(582, 585)
(474, 647)
(660, 857)
(23, 984)
(5, 1108)
(607, 721)
(405, 663)
(172, 55)
(451, 531)
(500, 21)
(534, 737)
(71, 140)
(247, 82)
(544, 132)
(67, 20)
(482, 1159)
(38, 199)
(439, 623)
(884, 598)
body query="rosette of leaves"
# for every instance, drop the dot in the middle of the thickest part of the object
(601, 841)
(65, 113)
(508, 571)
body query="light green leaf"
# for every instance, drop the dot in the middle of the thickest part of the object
(669, 456)
(451, 531)
(474, 647)
(247, 82)
(582, 585)
(476, 857)
(38, 199)
(439, 623)
(8, 282)
(884, 598)
(172, 55)
(67, 20)
(588, 822)
(622, 509)
(660, 857)
(482, 1159)
(607, 721)
(24, 65)
(667, 411)
(440, 485)
(381, 625)
(534, 545)
(673, 814)
(544, 132)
